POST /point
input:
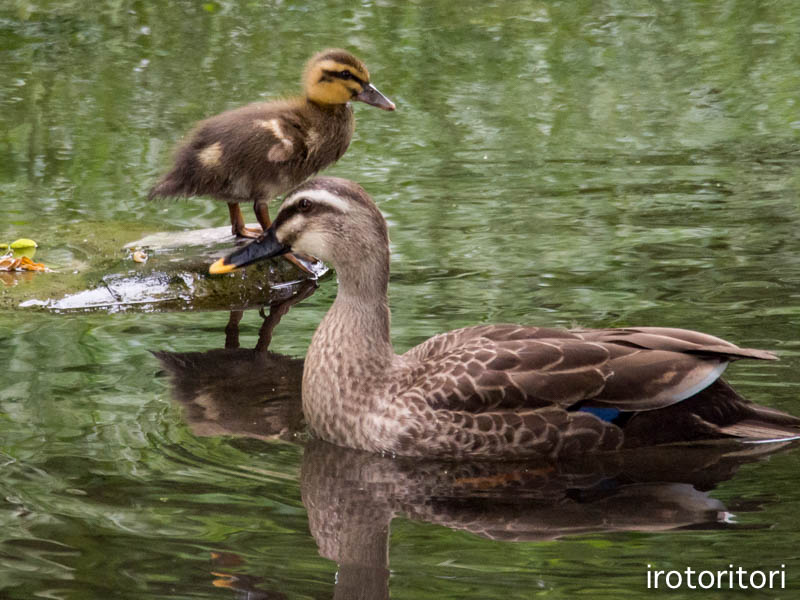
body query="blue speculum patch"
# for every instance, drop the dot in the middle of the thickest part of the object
(606, 414)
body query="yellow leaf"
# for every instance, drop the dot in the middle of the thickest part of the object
(23, 243)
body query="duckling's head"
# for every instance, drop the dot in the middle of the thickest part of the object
(331, 218)
(335, 76)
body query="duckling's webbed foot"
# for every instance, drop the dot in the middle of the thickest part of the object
(246, 232)
(237, 224)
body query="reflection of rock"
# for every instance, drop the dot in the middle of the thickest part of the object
(175, 277)
(241, 392)
(238, 391)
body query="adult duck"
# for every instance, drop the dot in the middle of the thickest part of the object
(260, 151)
(491, 391)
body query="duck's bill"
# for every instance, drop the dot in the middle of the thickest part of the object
(264, 247)
(373, 97)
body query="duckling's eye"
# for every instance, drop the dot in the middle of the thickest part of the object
(304, 205)
(346, 75)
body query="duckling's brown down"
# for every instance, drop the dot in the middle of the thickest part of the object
(259, 151)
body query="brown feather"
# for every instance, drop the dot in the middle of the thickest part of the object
(496, 391)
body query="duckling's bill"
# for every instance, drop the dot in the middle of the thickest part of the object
(264, 247)
(373, 97)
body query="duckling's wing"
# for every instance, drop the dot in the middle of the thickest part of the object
(239, 154)
(256, 134)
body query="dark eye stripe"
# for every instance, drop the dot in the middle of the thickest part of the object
(287, 213)
(284, 216)
(338, 75)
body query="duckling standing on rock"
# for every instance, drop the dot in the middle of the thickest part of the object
(492, 391)
(260, 151)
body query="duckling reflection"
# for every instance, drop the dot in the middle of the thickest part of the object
(241, 391)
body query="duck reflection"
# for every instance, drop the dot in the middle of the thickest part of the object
(352, 496)
(241, 391)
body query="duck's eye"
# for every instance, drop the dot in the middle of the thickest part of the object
(346, 75)
(304, 205)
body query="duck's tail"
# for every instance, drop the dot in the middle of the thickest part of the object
(717, 412)
(765, 425)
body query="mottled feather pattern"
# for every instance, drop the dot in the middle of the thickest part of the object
(453, 403)
(504, 392)
(508, 392)
(485, 374)
(497, 391)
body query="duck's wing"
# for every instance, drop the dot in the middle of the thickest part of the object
(503, 391)
(673, 339)
(515, 389)
(444, 342)
(505, 367)
(655, 367)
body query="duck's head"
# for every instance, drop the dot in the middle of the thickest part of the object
(331, 218)
(335, 76)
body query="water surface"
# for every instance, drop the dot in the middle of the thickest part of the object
(557, 163)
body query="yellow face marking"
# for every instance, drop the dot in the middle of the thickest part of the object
(332, 65)
(325, 89)
(210, 155)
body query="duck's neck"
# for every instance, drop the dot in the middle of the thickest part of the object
(361, 310)
(349, 363)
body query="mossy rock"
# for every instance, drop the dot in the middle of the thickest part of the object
(174, 277)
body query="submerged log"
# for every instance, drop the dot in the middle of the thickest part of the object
(169, 271)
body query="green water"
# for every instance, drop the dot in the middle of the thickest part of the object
(561, 163)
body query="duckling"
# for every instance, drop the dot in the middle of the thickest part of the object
(492, 391)
(257, 152)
